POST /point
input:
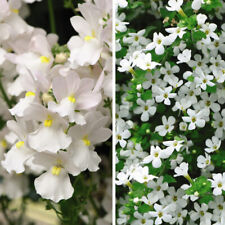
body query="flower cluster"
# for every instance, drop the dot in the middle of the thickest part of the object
(170, 117)
(55, 100)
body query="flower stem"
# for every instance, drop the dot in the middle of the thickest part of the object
(51, 16)
(4, 95)
(182, 13)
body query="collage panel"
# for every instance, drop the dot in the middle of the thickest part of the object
(55, 112)
(170, 115)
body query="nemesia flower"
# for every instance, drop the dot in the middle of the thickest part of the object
(50, 132)
(85, 137)
(73, 94)
(55, 183)
(16, 158)
(86, 48)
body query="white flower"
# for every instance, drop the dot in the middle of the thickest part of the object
(196, 4)
(122, 133)
(176, 32)
(16, 158)
(141, 175)
(209, 29)
(163, 95)
(169, 71)
(209, 102)
(167, 126)
(120, 26)
(219, 123)
(184, 57)
(203, 162)
(156, 154)
(121, 3)
(145, 62)
(50, 135)
(136, 39)
(194, 118)
(55, 183)
(202, 214)
(146, 109)
(218, 183)
(86, 48)
(85, 137)
(182, 170)
(174, 5)
(158, 188)
(73, 94)
(151, 198)
(122, 178)
(142, 219)
(183, 126)
(213, 145)
(158, 43)
(202, 80)
(126, 65)
(161, 214)
(174, 145)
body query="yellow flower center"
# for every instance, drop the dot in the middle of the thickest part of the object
(72, 99)
(19, 144)
(30, 93)
(3, 143)
(56, 170)
(45, 59)
(15, 11)
(90, 37)
(86, 140)
(48, 121)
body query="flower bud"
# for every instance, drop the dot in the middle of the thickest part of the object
(61, 57)
(47, 98)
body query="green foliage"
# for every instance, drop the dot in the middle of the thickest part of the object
(144, 208)
(211, 5)
(212, 89)
(201, 187)
(169, 179)
(198, 35)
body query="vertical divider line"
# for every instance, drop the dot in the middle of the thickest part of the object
(113, 115)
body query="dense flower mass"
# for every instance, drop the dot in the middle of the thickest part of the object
(170, 117)
(55, 101)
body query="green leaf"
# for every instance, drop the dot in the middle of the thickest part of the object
(149, 30)
(169, 179)
(138, 190)
(119, 165)
(210, 5)
(198, 35)
(161, 108)
(144, 208)
(200, 186)
(165, 13)
(147, 95)
(206, 199)
(156, 136)
(191, 78)
(121, 53)
(177, 138)
(212, 89)
(136, 4)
